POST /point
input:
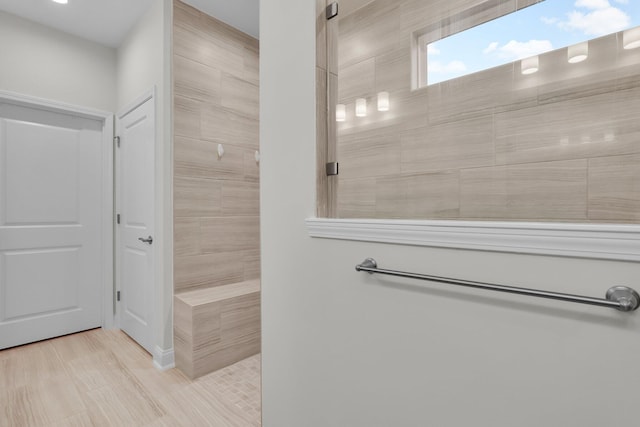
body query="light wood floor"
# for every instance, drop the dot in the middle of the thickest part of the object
(103, 378)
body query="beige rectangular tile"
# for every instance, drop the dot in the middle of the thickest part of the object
(237, 338)
(210, 42)
(426, 196)
(251, 165)
(457, 145)
(393, 70)
(473, 95)
(252, 269)
(207, 270)
(370, 153)
(240, 96)
(183, 335)
(198, 158)
(614, 188)
(186, 236)
(230, 234)
(483, 193)
(197, 299)
(196, 197)
(186, 117)
(227, 127)
(251, 65)
(551, 191)
(194, 80)
(357, 198)
(240, 198)
(548, 191)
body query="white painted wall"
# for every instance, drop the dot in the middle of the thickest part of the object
(144, 62)
(342, 348)
(39, 61)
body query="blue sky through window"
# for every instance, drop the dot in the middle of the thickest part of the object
(546, 26)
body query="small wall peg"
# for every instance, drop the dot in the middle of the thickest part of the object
(220, 151)
(257, 156)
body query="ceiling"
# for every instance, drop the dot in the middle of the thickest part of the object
(108, 21)
(241, 14)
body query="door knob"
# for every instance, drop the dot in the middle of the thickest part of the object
(148, 240)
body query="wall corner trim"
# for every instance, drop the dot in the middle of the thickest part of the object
(164, 360)
(596, 241)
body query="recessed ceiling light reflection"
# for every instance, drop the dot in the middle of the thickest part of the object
(529, 65)
(578, 52)
(61, 1)
(631, 38)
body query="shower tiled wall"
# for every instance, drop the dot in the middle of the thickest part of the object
(562, 144)
(216, 200)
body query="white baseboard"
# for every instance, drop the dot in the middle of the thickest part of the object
(164, 359)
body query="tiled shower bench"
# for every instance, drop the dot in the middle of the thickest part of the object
(217, 326)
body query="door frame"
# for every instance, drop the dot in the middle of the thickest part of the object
(106, 223)
(117, 250)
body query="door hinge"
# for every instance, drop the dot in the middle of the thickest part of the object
(117, 218)
(332, 10)
(332, 168)
(118, 296)
(116, 140)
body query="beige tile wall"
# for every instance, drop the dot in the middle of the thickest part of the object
(216, 201)
(559, 145)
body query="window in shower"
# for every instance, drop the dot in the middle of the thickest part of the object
(521, 36)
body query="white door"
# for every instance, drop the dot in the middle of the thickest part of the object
(50, 224)
(135, 172)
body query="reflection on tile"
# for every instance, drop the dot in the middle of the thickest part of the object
(594, 126)
(369, 31)
(614, 188)
(357, 81)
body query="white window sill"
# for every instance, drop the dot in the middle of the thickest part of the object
(599, 241)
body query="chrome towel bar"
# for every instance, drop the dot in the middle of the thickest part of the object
(621, 298)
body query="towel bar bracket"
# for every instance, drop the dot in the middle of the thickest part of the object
(621, 298)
